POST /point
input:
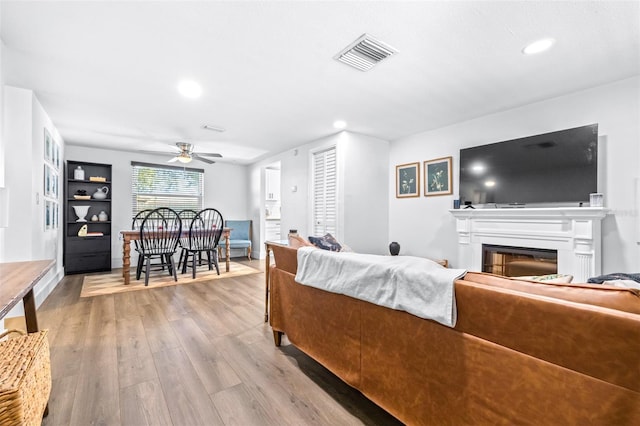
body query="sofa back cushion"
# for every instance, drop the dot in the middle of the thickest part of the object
(622, 299)
(599, 342)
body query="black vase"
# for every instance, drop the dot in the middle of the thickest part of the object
(394, 248)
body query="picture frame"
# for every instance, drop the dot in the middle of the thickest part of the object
(48, 215)
(56, 156)
(46, 189)
(54, 184)
(438, 177)
(408, 180)
(56, 215)
(48, 146)
(50, 182)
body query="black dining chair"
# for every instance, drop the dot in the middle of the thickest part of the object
(186, 216)
(136, 223)
(159, 237)
(204, 234)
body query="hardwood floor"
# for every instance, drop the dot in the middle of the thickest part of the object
(197, 354)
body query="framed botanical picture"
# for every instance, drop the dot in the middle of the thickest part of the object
(51, 187)
(48, 146)
(408, 180)
(54, 184)
(56, 156)
(437, 177)
(56, 215)
(48, 214)
(47, 188)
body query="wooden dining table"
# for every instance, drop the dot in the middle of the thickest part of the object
(132, 235)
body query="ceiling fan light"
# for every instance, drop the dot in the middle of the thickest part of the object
(184, 157)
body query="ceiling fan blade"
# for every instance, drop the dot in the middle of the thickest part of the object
(214, 128)
(205, 154)
(173, 160)
(157, 152)
(204, 160)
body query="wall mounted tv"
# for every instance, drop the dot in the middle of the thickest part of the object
(557, 168)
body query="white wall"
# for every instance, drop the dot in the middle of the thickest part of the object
(423, 226)
(25, 237)
(20, 175)
(363, 185)
(362, 189)
(225, 187)
(2, 155)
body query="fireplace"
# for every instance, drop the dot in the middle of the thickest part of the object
(518, 261)
(573, 233)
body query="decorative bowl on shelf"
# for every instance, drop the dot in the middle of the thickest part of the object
(81, 212)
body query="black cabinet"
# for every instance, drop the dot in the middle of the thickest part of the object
(87, 202)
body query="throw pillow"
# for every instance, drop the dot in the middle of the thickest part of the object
(326, 242)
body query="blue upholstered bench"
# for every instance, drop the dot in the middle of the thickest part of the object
(240, 236)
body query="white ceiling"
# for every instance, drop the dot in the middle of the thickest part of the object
(106, 72)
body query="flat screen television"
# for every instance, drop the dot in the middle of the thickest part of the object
(557, 168)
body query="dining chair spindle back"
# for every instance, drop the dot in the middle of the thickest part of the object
(186, 216)
(160, 233)
(204, 235)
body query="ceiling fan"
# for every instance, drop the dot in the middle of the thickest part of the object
(187, 154)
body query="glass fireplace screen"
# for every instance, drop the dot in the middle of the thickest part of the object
(518, 261)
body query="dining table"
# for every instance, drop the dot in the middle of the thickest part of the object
(132, 235)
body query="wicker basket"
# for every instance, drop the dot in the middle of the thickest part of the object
(25, 378)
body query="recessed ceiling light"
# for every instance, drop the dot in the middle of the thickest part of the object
(538, 46)
(339, 124)
(189, 89)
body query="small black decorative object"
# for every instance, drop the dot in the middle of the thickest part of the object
(394, 248)
(81, 192)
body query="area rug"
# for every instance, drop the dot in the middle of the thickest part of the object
(110, 283)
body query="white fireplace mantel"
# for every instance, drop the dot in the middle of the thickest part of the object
(574, 232)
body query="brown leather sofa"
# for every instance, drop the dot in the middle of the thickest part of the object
(521, 352)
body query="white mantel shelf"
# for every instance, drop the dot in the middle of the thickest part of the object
(533, 213)
(575, 232)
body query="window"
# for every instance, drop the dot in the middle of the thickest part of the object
(178, 188)
(325, 192)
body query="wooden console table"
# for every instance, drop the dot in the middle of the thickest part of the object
(17, 280)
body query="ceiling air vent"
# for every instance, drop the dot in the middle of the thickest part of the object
(365, 52)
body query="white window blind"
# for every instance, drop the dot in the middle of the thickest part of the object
(325, 215)
(153, 186)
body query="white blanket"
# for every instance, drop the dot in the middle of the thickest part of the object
(411, 284)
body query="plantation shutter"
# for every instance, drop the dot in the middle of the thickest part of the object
(325, 215)
(153, 186)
